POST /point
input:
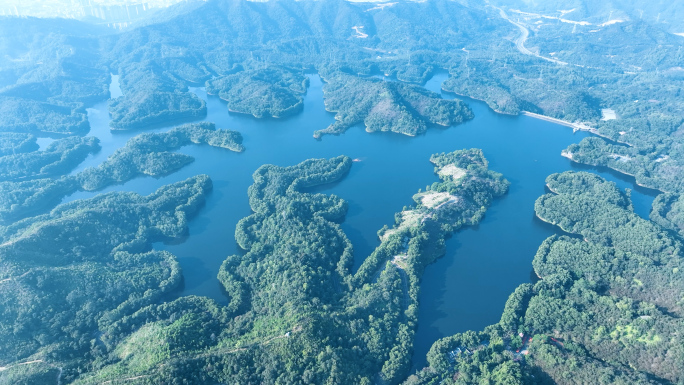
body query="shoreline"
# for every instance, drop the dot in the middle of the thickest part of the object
(574, 126)
(568, 155)
(559, 226)
(479, 100)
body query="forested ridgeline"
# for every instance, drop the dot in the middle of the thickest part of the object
(296, 313)
(68, 274)
(153, 97)
(146, 154)
(12, 143)
(607, 308)
(569, 67)
(58, 158)
(274, 91)
(387, 106)
(51, 70)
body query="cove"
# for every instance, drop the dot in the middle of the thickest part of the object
(468, 287)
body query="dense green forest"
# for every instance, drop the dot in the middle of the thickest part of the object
(152, 97)
(296, 314)
(148, 109)
(84, 295)
(58, 158)
(668, 212)
(70, 273)
(145, 154)
(30, 116)
(273, 91)
(387, 106)
(51, 69)
(12, 143)
(606, 310)
(656, 169)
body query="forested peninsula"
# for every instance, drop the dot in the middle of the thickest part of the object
(146, 154)
(291, 294)
(606, 310)
(387, 106)
(274, 92)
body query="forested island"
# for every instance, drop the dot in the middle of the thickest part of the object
(153, 97)
(149, 109)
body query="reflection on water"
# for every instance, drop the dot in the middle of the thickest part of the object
(467, 289)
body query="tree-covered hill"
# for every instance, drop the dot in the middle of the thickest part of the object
(69, 273)
(145, 154)
(82, 298)
(296, 314)
(606, 310)
(274, 92)
(387, 106)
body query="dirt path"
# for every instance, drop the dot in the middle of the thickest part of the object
(359, 34)
(24, 235)
(12, 278)
(126, 379)
(3, 368)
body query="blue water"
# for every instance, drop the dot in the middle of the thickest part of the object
(467, 289)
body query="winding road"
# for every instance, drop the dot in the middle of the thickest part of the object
(520, 41)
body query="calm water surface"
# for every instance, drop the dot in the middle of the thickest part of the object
(468, 287)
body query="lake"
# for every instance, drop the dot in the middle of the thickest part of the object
(468, 287)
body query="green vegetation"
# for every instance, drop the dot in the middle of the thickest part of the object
(145, 154)
(16, 143)
(668, 212)
(87, 307)
(50, 71)
(150, 154)
(387, 106)
(58, 158)
(653, 169)
(153, 97)
(631, 65)
(274, 92)
(144, 110)
(607, 309)
(296, 313)
(69, 273)
(21, 115)
(23, 198)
